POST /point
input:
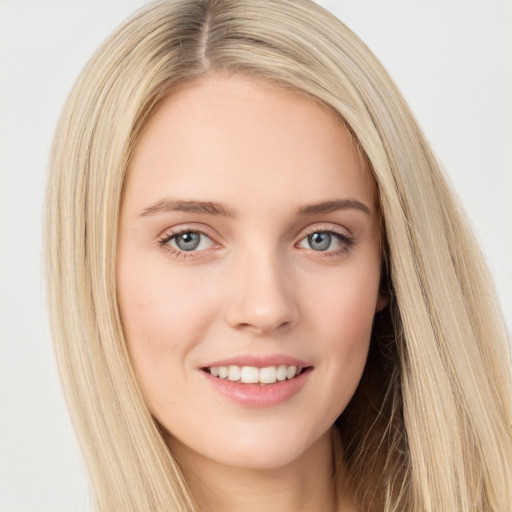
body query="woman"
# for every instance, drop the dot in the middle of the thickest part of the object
(259, 278)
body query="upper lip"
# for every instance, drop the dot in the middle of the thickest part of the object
(259, 361)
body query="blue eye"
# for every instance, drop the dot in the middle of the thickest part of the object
(319, 241)
(326, 241)
(188, 241)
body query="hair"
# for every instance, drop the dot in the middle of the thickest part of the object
(429, 427)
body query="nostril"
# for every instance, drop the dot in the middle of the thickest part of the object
(262, 327)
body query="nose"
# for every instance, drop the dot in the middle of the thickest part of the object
(262, 299)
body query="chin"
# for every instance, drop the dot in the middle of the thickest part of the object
(257, 457)
(257, 449)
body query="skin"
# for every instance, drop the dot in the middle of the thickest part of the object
(256, 284)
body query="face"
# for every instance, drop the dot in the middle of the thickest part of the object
(248, 270)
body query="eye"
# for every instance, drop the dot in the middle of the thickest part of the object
(326, 241)
(187, 241)
(319, 241)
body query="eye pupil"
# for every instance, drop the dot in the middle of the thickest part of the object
(319, 241)
(188, 241)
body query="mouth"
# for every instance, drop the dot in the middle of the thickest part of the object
(258, 381)
(264, 376)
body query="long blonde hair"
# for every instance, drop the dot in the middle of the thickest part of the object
(429, 428)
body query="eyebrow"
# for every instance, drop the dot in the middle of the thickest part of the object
(333, 206)
(176, 205)
(213, 208)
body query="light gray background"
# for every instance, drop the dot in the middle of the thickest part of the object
(452, 60)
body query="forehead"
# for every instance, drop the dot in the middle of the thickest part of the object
(230, 138)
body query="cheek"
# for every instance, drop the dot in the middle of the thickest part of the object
(344, 304)
(348, 322)
(343, 318)
(164, 316)
(154, 317)
(157, 305)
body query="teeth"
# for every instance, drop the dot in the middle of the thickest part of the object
(282, 372)
(268, 375)
(291, 372)
(249, 375)
(254, 375)
(234, 373)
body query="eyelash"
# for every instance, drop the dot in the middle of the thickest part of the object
(346, 241)
(163, 242)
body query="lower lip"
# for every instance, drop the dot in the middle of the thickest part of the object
(256, 395)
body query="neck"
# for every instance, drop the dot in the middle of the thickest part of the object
(304, 484)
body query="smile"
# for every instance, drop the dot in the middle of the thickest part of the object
(252, 380)
(255, 375)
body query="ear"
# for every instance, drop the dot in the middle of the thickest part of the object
(382, 302)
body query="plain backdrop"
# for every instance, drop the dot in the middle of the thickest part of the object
(451, 59)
